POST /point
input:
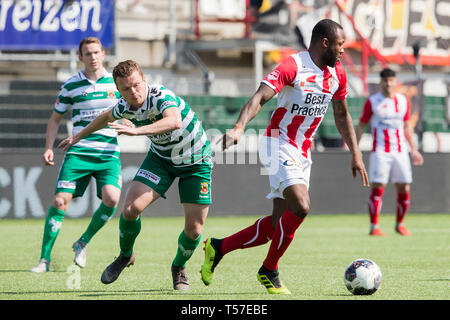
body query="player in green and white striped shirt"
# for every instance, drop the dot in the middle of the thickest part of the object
(90, 92)
(179, 148)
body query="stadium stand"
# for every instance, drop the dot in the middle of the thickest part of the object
(25, 107)
(434, 115)
(24, 112)
(28, 89)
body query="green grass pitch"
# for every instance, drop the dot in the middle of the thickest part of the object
(413, 268)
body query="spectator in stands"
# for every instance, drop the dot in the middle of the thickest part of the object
(272, 19)
(297, 9)
(278, 18)
(388, 113)
(88, 93)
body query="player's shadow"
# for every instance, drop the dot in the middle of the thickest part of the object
(87, 293)
(106, 293)
(160, 292)
(28, 271)
(448, 279)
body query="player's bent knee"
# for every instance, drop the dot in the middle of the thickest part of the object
(301, 209)
(60, 203)
(110, 196)
(193, 231)
(131, 212)
(110, 202)
(193, 234)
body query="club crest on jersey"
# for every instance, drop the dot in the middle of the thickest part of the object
(152, 117)
(274, 75)
(204, 188)
(111, 94)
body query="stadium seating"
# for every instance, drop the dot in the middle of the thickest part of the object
(222, 112)
(24, 113)
(434, 115)
(25, 107)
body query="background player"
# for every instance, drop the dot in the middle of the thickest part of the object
(179, 148)
(89, 92)
(306, 82)
(388, 114)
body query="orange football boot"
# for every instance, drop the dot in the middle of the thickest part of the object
(402, 230)
(377, 232)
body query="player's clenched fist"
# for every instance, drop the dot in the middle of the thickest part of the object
(230, 138)
(48, 157)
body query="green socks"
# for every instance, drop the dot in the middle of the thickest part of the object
(53, 224)
(101, 216)
(128, 231)
(186, 247)
(51, 229)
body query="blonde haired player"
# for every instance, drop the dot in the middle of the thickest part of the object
(179, 149)
(388, 114)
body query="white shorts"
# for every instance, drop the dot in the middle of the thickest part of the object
(396, 166)
(284, 164)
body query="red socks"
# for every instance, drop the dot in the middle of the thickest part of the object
(257, 234)
(375, 202)
(262, 232)
(282, 238)
(402, 206)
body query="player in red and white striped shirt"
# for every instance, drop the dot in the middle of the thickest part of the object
(305, 83)
(388, 113)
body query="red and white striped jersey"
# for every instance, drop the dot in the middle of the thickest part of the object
(387, 117)
(304, 92)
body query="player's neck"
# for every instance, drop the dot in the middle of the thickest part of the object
(315, 57)
(93, 75)
(389, 95)
(135, 107)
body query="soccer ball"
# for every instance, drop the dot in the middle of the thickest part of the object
(362, 277)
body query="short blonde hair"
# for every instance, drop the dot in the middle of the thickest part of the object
(125, 69)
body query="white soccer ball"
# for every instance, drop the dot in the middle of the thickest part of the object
(362, 277)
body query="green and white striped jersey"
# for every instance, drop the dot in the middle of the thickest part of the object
(88, 99)
(182, 147)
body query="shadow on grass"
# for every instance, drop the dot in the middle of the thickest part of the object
(106, 293)
(28, 271)
(435, 280)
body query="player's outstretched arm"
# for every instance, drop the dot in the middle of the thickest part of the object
(344, 124)
(171, 121)
(248, 112)
(98, 123)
